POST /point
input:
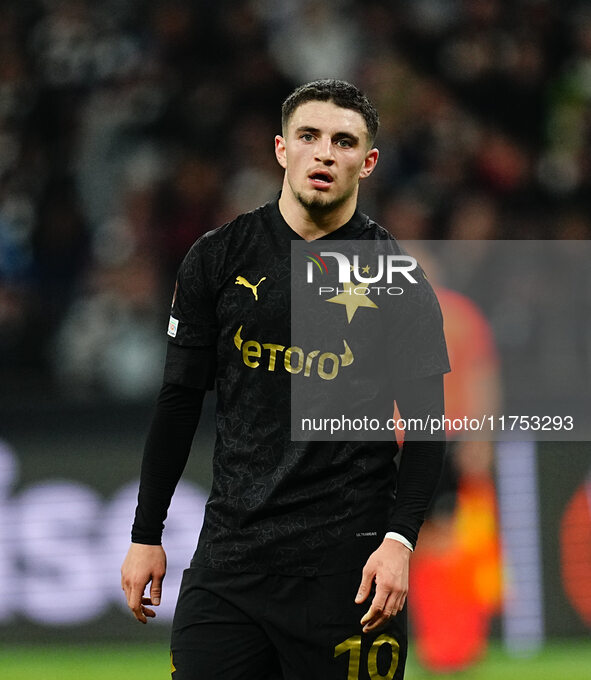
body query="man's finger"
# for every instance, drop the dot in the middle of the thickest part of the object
(147, 612)
(372, 619)
(373, 625)
(398, 603)
(365, 586)
(399, 606)
(371, 614)
(377, 605)
(381, 597)
(139, 614)
(392, 607)
(156, 590)
(142, 611)
(134, 597)
(379, 613)
(368, 616)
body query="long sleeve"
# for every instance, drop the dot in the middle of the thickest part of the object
(422, 461)
(167, 448)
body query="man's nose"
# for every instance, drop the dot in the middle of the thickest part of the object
(324, 151)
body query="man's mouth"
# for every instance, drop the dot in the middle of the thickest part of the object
(321, 178)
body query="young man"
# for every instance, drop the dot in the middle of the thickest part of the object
(286, 581)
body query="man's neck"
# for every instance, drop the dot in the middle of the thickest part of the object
(311, 225)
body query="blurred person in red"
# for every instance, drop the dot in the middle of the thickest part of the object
(456, 575)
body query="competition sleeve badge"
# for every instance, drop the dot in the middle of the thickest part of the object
(173, 326)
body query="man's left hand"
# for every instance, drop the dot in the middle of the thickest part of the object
(388, 566)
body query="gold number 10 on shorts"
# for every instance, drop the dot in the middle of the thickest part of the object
(353, 646)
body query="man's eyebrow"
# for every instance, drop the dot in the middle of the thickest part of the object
(307, 128)
(337, 135)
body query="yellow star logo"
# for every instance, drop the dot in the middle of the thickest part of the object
(353, 299)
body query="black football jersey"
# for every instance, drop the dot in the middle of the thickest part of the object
(279, 505)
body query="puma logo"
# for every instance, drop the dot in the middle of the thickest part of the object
(241, 281)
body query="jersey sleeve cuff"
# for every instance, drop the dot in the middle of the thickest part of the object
(146, 538)
(400, 538)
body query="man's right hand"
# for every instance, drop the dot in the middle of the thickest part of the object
(144, 563)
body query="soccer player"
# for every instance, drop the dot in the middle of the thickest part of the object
(301, 569)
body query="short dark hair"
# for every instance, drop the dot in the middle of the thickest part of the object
(338, 92)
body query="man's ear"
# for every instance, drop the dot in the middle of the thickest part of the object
(369, 164)
(280, 153)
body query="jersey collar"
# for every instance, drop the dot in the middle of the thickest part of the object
(350, 230)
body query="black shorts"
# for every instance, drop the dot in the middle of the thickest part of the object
(271, 627)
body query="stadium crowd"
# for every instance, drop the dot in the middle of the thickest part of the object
(130, 127)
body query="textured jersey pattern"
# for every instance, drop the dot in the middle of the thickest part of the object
(277, 505)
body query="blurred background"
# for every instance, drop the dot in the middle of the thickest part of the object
(128, 128)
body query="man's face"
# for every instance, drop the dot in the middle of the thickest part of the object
(325, 152)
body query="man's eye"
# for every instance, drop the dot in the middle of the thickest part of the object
(307, 137)
(344, 143)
